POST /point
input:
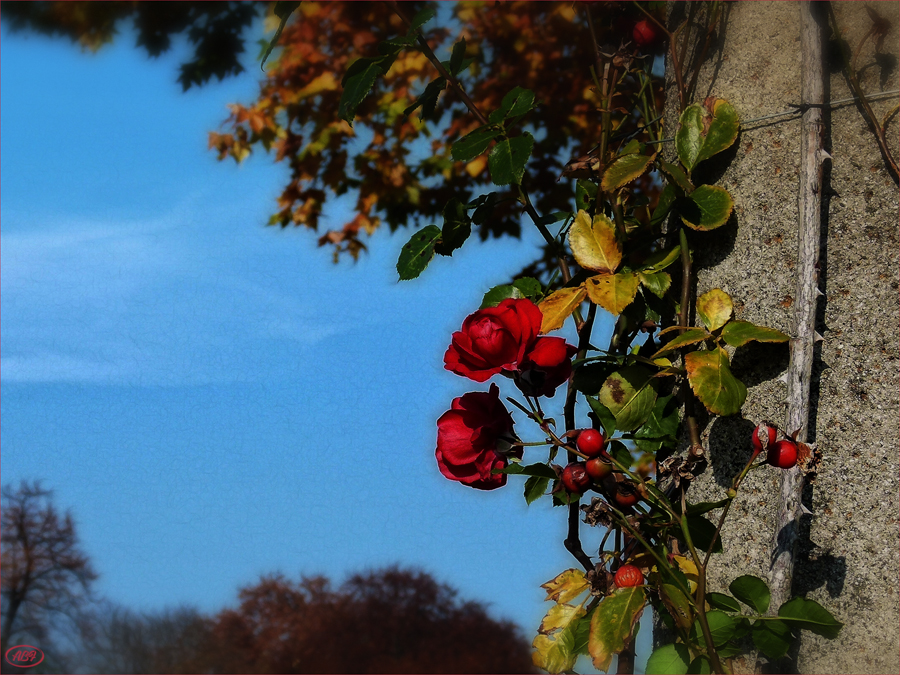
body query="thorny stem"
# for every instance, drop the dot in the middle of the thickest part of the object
(573, 539)
(696, 450)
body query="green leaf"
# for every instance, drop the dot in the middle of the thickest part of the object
(526, 287)
(708, 207)
(590, 376)
(474, 143)
(485, 207)
(500, 293)
(752, 591)
(283, 11)
(715, 308)
(529, 286)
(612, 624)
(721, 628)
(702, 533)
(700, 666)
(688, 337)
(428, 99)
(457, 227)
(516, 102)
(722, 601)
(668, 660)
(738, 333)
(656, 282)
(422, 17)
(418, 252)
(625, 169)
(811, 616)
(582, 631)
(772, 638)
(661, 260)
(678, 604)
(704, 131)
(661, 427)
(535, 488)
(677, 177)
(711, 380)
(585, 192)
(729, 651)
(620, 452)
(539, 470)
(508, 159)
(630, 395)
(357, 82)
(723, 128)
(703, 507)
(663, 205)
(395, 45)
(457, 56)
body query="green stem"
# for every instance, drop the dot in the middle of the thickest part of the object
(700, 603)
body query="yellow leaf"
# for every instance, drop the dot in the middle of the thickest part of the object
(613, 292)
(553, 654)
(715, 308)
(476, 166)
(687, 566)
(557, 307)
(566, 585)
(560, 616)
(324, 82)
(612, 624)
(594, 243)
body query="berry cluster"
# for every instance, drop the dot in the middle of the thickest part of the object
(782, 454)
(597, 471)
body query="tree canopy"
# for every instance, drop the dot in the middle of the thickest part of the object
(386, 621)
(396, 157)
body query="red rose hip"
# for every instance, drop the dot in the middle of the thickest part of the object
(628, 576)
(783, 454)
(575, 477)
(590, 442)
(644, 33)
(765, 431)
(626, 495)
(597, 468)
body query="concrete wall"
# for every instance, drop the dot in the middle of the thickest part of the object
(848, 560)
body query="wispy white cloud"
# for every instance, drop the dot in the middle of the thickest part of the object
(161, 302)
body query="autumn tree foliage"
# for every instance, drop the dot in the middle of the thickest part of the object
(389, 621)
(45, 572)
(395, 159)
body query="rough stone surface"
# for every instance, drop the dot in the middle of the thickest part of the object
(848, 560)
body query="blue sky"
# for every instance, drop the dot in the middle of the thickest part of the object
(213, 398)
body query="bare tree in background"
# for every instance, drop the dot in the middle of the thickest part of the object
(119, 640)
(45, 573)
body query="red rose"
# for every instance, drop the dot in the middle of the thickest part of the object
(546, 366)
(494, 339)
(468, 437)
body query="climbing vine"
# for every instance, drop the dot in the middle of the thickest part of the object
(617, 467)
